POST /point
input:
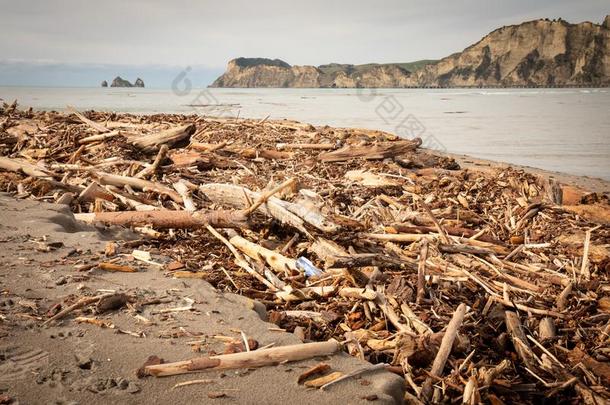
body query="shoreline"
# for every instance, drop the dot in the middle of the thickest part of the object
(587, 183)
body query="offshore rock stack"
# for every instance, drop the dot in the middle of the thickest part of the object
(120, 82)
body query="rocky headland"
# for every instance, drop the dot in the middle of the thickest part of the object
(539, 53)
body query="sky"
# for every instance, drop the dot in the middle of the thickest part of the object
(82, 42)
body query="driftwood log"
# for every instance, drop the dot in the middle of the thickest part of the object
(167, 219)
(169, 137)
(22, 166)
(255, 358)
(286, 212)
(140, 184)
(378, 151)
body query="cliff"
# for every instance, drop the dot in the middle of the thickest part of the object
(534, 53)
(260, 72)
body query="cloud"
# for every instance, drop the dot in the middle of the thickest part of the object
(209, 33)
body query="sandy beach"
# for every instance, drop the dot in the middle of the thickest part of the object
(205, 222)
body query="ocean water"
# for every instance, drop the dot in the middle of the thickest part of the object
(565, 130)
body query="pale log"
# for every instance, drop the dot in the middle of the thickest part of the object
(255, 358)
(140, 184)
(286, 212)
(152, 142)
(98, 137)
(22, 166)
(169, 219)
(275, 260)
(377, 151)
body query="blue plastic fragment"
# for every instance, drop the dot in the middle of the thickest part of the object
(305, 265)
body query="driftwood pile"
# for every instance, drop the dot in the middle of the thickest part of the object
(474, 286)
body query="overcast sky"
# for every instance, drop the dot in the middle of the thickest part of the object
(209, 33)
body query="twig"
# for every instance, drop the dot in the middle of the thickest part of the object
(265, 196)
(441, 230)
(78, 304)
(191, 382)
(584, 269)
(421, 272)
(92, 124)
(147, 171)
(355, 373)
(240, 260)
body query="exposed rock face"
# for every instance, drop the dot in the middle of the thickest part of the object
(139, 83)
(259, 72)
(535, 53)
(104, 83)
(120, 82)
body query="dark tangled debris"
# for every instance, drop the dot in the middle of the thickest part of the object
(475, 286)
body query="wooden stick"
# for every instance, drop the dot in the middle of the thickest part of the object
(152, 142)
(265, 196)
(528, 309)
(183, 190)
(256, 358)
(584, 269)
(359, 293)
(140, 184)
(92, 124)
(416, 237)
(167, 219)
(147, 171)
(439, 227)
(522, 347)
(378, 151)
(421, 272)
(98, 137)
(354, 373)
(275, 260)
(562, 299)
(390, 314)
(314, 146)
(444, 350)
(271, 154)
(207, 147)
(22, 166)
(365, 260)
(76, 155)
(546, 329)
(240, 260)
(78, 304)
(237, 197)
(116, 268)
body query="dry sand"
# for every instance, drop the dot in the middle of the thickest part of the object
(40, 365)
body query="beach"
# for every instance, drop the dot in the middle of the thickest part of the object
(211, 229)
